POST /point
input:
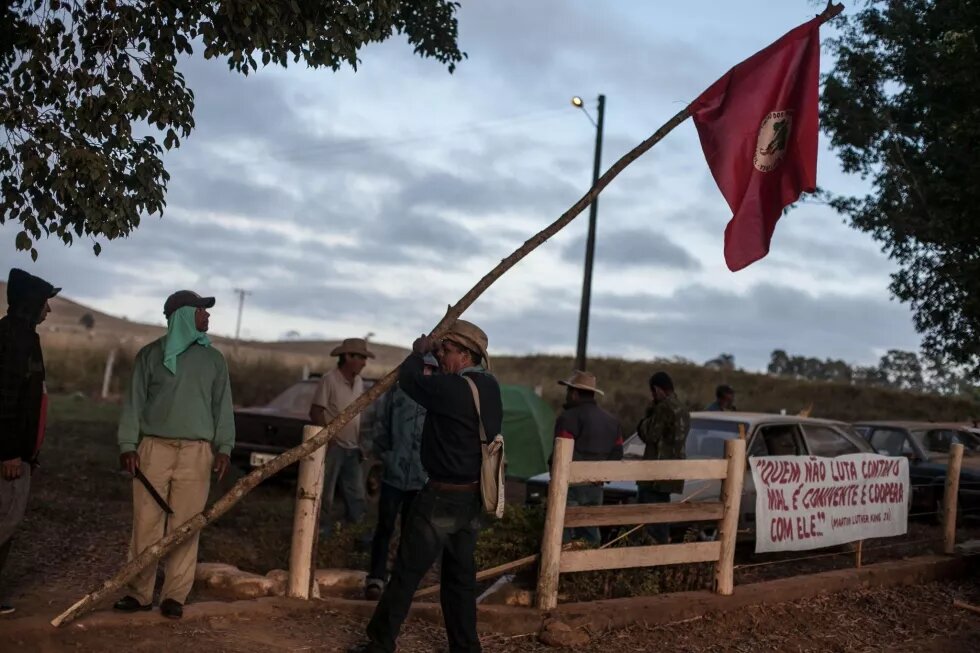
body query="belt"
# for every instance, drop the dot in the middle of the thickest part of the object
(454, 487)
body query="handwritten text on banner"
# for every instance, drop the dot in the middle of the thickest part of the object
(806, 502)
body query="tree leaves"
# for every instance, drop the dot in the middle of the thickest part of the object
(900, 107)
(76, 77)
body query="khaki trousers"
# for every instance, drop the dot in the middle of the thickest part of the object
(180, 470)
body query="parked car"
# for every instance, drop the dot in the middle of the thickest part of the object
(264, 432)
(926, 445)
(767, 435)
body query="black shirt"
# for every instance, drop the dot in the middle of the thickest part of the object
(597, 433)
(451, 435)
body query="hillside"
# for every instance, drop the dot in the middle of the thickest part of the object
(76, 360)
(63, 329)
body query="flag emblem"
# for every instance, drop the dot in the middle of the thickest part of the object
(771, 143)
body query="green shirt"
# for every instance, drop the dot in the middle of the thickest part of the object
(193, 404)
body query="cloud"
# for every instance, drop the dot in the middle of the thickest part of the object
(699, 323)
(631, 248)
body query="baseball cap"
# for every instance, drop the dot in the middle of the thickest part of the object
(183, 298)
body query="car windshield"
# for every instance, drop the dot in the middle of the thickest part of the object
(295, 400)
(706, 439)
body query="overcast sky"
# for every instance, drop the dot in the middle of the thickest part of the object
(350, 203)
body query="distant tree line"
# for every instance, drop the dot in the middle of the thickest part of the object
(900, 370)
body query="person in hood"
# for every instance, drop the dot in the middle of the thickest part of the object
(23, 401)
(177, 426)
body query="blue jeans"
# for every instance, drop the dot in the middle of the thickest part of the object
(342, 467)
(583, 495)
(392, 503)
(440, 523)
(659, 532)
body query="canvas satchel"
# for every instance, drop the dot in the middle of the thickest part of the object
(492, 467)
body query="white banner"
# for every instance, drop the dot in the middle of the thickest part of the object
(806, 502)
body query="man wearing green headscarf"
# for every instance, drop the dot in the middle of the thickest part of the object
(177, 425)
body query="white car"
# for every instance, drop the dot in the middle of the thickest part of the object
(767, 435)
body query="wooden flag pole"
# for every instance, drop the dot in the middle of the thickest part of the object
(248, 482)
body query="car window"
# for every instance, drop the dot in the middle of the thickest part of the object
(294, 400)
(936, 440)
(825, 441)
(706, 439)
(969, 440)
(891, 441)
(776, 440)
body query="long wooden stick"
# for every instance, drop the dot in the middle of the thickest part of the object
(486, 574)
(245, 484)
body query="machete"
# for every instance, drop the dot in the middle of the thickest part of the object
(153, 491)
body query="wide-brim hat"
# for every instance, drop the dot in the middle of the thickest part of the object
(582, 381)
(183, 298)
(352, 346)
(467, 334)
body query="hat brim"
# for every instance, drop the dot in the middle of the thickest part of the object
(337, 351)
(582, 387)
(470, 344)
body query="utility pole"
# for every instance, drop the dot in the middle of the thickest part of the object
(583, 316)
(241, 305)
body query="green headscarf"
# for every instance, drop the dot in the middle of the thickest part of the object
(181, 334)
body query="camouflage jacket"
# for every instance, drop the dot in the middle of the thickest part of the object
(664, 431)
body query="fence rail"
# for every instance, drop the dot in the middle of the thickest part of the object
(555, 561)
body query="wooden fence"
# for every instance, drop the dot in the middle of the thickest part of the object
(564, 472)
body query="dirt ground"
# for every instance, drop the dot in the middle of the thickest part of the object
(77, 529)
(910, 619)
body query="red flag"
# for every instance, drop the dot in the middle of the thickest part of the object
(758, 130)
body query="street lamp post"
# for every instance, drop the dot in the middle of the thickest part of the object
(583, 316)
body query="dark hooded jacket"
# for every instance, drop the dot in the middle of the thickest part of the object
(22, 365)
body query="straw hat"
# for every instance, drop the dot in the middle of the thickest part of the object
(352, 346)
(467, 334)
(582, 381)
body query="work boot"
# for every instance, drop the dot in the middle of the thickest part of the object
(373, 589)
(171, 609)
(130, 604)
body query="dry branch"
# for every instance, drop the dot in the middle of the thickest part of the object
(245, 484)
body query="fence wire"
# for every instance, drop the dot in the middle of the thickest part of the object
(839, 553)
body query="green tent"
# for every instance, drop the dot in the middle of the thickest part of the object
(528, 430)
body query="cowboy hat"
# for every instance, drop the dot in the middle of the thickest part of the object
(352, 346)
(467, 334)
(582, 381)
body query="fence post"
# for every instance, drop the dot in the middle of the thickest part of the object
(731, 495)
(950, 499)
(107, 374)
(554, 522)
(306, 519)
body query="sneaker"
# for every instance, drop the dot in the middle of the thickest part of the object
(7, 609)
(171, 609)
(373, 589)
(130, 604)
